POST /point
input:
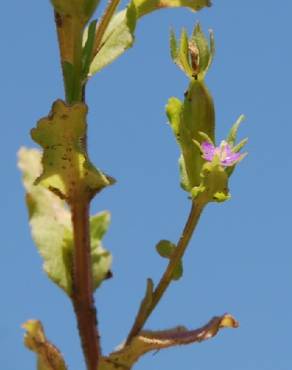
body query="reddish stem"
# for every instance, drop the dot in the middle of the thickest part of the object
(82, 295)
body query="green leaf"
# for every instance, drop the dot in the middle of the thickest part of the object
(88, 48)
(183, 60)
(50, 222)
(69, 78)
(67, 170)
(48, 356)
(173, 112)
(178, 272)
(101, 259)
(118, 37)
(165, 248)
(51, 227)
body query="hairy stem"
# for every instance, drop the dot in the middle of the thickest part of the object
(82, 296)
(166, 278)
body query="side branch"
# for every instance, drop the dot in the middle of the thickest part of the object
(103, 24)
(82, 295)
(166, 278)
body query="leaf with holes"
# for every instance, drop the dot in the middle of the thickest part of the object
(67, 170)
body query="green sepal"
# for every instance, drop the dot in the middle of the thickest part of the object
(232, 135)
(165, 249)
(67, 170)
(183, 59)
(180, 52)
(184, 179)
(214, 184)
(51, 228)
(205, 49)
(193, 56)
(231, 139)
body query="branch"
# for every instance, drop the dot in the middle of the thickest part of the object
(166, 278)
(103, 24)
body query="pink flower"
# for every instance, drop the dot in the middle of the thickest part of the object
(224, 152)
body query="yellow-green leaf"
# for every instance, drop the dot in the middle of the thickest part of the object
(51, 227)
(50, 221)
(67, 170)
(120, 34)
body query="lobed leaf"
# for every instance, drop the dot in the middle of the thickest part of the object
(67, 170)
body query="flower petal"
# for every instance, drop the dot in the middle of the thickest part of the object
(208, 150)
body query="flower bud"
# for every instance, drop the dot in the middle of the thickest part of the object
(194, 56)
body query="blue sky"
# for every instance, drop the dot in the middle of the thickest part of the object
(240, 259)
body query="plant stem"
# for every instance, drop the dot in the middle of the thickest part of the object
(70, 33)
(103, 24)
(166, 278)
(82, 296)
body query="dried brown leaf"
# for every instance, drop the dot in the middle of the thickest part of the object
(148, 341)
